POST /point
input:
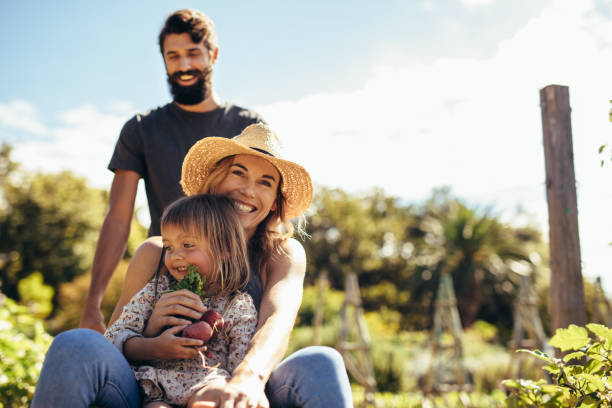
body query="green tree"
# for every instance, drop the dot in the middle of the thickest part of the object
(479, 251)
(399, 252)
(49, 223)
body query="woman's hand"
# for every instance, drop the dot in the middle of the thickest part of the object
(240, 391)
(169, 309)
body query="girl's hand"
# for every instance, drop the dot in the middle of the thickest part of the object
(170, 346)
(169, 309)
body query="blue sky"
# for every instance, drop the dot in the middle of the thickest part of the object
(404, 95)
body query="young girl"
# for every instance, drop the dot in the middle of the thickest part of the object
(203, 231)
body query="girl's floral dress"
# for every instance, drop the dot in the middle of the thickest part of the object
(175, 381)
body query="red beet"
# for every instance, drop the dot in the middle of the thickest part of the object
(214, 319)
(199, 330)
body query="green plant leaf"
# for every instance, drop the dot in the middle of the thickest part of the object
(575, 355)
(593, 367)
(538, 354)
(589, 402)
(572, 338)
(600, 331)
(551, 368)
(511, 383)
(192, 281)
(593, 382)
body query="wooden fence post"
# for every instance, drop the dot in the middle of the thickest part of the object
(566, 287)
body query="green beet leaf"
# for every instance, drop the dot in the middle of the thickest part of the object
(193, 281)
(572, 338)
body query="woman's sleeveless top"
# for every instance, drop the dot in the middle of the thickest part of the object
(255, 286)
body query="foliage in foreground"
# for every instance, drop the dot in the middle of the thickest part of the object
(23, 344)
(581, 378)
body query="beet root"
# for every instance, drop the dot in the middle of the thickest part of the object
(199, 330)
(214, 319)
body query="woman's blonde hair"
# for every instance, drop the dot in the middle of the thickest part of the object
(271, 233)
(213, 219)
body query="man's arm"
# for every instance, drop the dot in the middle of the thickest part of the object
(111, 245)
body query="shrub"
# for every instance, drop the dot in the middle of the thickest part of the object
(580, 377)
(23, 344)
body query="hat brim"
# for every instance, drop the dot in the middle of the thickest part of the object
(296, 185)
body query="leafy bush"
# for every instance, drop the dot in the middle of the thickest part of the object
(581, 378)
(23, 344)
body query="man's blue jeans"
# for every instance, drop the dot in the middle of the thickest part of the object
(82, 369)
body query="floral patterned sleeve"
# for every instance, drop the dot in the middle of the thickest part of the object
(133, 318)
(242, 316)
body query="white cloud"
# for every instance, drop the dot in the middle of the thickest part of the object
(21, 115)
(473, 124)
(83, 143)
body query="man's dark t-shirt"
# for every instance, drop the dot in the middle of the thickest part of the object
(154, 144)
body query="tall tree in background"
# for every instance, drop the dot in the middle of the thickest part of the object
(48, 223)
(479, 251)
(399, 252)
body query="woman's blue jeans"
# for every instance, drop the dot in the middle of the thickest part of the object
(82, 369)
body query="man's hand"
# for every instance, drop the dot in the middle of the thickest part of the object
(92, 318)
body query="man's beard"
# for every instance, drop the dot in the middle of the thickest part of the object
(192, 94)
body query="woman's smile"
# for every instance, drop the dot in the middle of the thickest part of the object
(252, 184)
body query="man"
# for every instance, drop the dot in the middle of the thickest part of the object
(152, 145)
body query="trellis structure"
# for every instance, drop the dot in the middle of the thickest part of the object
(528, 330)
(601, 305)
(447, 370)
(355, 340)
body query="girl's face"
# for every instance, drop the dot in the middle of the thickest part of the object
(252, 184)
(182, 249)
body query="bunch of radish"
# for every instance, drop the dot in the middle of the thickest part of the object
(211, 322)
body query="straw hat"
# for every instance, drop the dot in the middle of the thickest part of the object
(257, 140)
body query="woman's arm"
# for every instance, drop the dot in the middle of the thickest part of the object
(280, 304)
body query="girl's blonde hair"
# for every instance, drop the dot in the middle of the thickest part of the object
(213, 219)
(271, 233)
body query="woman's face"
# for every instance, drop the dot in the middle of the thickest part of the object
(252, 184)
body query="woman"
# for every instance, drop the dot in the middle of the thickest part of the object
(267, 191)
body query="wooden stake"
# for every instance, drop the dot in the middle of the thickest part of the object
(566, 287)
(356, 352)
